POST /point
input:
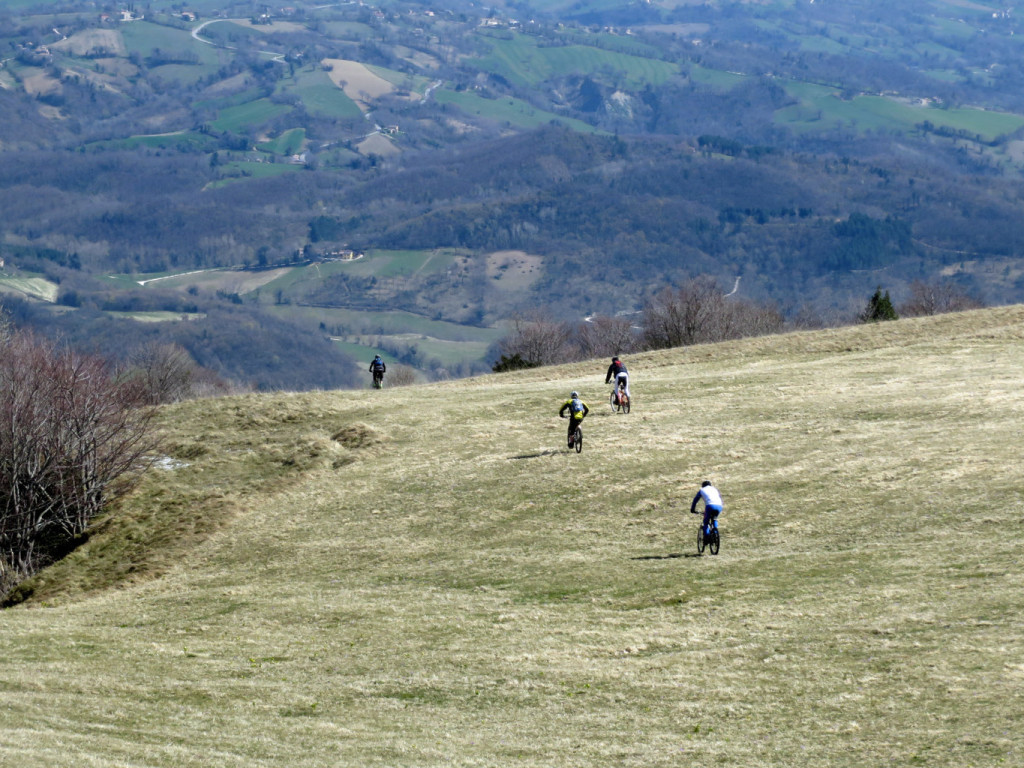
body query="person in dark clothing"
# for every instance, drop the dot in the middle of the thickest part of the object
(617, 370)
(377, 368)
(578, 411)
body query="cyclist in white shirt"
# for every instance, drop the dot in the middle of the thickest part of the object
(712, 505)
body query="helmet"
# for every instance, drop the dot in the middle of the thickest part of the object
(574, 394)
(615, 359)
(705, 484)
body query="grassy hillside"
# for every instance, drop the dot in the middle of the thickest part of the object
(425, 576)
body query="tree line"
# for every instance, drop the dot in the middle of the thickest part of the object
(696, 312)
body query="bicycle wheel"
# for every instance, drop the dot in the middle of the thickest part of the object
(714, 541)
(625, 406)
(700, 539)
(579, 440)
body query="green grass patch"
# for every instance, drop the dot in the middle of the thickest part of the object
(821, 108)
(36, 287)
(240, 170)
(232, 100)
(183, 74)
(191, 140)
(370, 324)
(251, 114)
(319, 95)
(327, 100)
(523, 62)
(144, 38)
(383, 263)
(401, 80)
(348, 30)
(290, 142)
(715, 78)
(507, 110)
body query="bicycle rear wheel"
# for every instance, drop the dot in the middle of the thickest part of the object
(700, 539)
(714, 541)
(579, 440)
(625, 406)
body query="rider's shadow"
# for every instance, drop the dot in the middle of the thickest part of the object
(670, 556)
(534, 455)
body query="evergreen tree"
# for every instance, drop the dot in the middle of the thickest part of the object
(879, 308)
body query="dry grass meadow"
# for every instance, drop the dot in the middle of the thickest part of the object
(425, 576)
(359, 83)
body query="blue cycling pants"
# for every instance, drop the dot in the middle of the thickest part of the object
(711, 513)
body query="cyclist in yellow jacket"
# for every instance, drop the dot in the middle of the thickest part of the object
(578, 410)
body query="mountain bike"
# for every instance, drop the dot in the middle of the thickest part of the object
(378, 379)
(577, 439)
(619, 399)
(711, 538)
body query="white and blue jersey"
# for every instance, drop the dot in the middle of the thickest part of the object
(712, 498)
(712, 505)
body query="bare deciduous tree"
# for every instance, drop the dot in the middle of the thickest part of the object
(164, 373)
(936, 298)
(538, 339)
(602, 336)
(401, 375)
(686, 315)
(698, 313)
(68, 433)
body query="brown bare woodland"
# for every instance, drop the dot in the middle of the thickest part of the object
(699, 313)
(69, 432)
(936, 298)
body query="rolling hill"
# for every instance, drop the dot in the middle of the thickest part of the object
(425, 576)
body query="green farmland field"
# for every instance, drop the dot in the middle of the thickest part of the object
(194, 141)
(185, 74)
(415, 84)
(507, 110)
(319, 95)
(348, 30)
(715, 78)
(401, 263)
(288, 143)
(521, 61)
(254, 113)
(144, 38)
(241, 170)
(36, 287)
(821, 108)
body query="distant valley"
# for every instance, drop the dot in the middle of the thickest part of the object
(190, 173)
